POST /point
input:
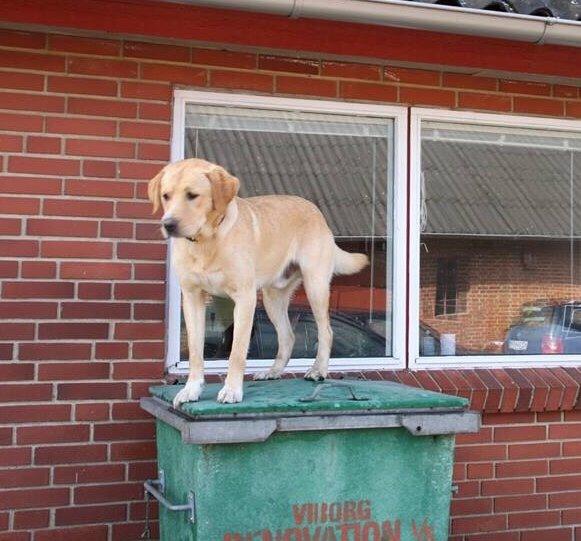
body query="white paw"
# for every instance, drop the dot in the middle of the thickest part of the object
(230, 395)
(271, 373)
(315, 374)
(190, 393)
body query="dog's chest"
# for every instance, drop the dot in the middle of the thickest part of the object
(197, 272)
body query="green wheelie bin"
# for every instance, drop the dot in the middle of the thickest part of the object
(341, 460)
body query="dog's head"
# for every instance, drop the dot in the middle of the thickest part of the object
(193, 194)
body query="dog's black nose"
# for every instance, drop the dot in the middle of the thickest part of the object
(170, 225)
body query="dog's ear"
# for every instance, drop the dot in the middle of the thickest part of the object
(224, 188)
(154, 191)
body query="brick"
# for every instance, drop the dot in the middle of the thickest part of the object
(533, 450)
(119, 492)
(525, 468)
(471, 506)
(154, 51)
(76, 249)
(144, 130)
(368, 91)
(52, 434)
(6, 352)
(539, 106)
(519, 433)
(10, 226)
(94, 533)
(146, 91)
(485, 102)
(489, 523)
(92, 412)
(61, 228)
(572, 516)
(128, 411)
(43, 166)
(515, 418)
(149, 271)
(101, 107)
(33, 519)
(96, 271)
(6, 435)
(72, 371)
(176, 74)
(348, 70)
(139, 331)
(572, 448)
(572, 465)
(220, 57)
(94, 291)
(82, 85)
(149, 311)
(40, 497)
(555, 534)
(133, 370)
(124, 431)
(142, 251)
(140, 389)
(83, 474)
(8, 269)
(509, 504)
(412, 76)
(427, 96)
(58, 331)
(81, 126)
(70, 454)
(533, 520)
(288, 64)
(32, 102)
(133, 451)
(153, 151)
(507, 486)
(31, 61)
(84, 208)
(573, 109)
(117, 229)
(138, 170)
(15, 536)
(100, 148)
(90, 514)
(565, 431)
(102, 66)
(132, 530)
(21, 122)
(21, 39)
(38, 269)
(143, 291)
(148, 350)
(82, 45)
(111, 350)
(41, 290)
(18, 248)
(154, 111)
(95, 310)
(88, 391)
(39, 351)
(25, 392)
(564, 499)
(137, 511)
(460, 80)
(559, 483)
(140, 471)
(19, 205)
(525, 87)
(24, 477)
(481, 453)
(565, 91)
(308, 86)
(10, 143)
(15, 456)
(133, 209)
(96, 188)
(16, 372)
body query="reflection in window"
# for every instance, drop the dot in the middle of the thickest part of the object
(500, 230)
(343, 165)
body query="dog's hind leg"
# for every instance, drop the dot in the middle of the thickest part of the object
(276, 302)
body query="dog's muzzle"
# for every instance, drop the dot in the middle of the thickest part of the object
(171, 226)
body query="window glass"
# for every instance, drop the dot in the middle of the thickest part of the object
(342, 164)
(499, 247)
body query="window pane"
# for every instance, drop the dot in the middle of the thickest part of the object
(343, 165)
(499, 250)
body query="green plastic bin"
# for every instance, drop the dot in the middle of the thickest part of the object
(301, 461)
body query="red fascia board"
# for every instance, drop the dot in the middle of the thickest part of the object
(185, 22)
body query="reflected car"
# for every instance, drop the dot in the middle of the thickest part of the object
(355, 334)
(546, 327)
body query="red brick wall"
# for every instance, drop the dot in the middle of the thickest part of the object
(84, 123)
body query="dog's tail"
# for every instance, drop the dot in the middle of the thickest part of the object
(348, 263)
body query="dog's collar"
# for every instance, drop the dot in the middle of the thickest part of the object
(196, 239)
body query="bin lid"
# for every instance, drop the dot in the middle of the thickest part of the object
(296, 396)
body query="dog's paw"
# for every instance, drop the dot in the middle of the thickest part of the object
(315, 374)
(190, 393)
(271, 373)
(230, 395)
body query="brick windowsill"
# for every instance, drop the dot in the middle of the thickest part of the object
(499, 390)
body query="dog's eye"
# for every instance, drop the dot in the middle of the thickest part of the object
(165, 196)
(191, 195)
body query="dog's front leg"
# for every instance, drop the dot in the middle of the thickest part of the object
(243, 319)
(194, 307)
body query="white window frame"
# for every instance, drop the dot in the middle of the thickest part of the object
(399, 115)
(418, 115)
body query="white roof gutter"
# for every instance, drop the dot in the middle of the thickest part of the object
(417, 15)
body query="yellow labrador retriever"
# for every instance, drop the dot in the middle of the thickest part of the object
(228, 246)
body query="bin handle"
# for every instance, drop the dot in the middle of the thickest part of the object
(156, 487)
(314, 396)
